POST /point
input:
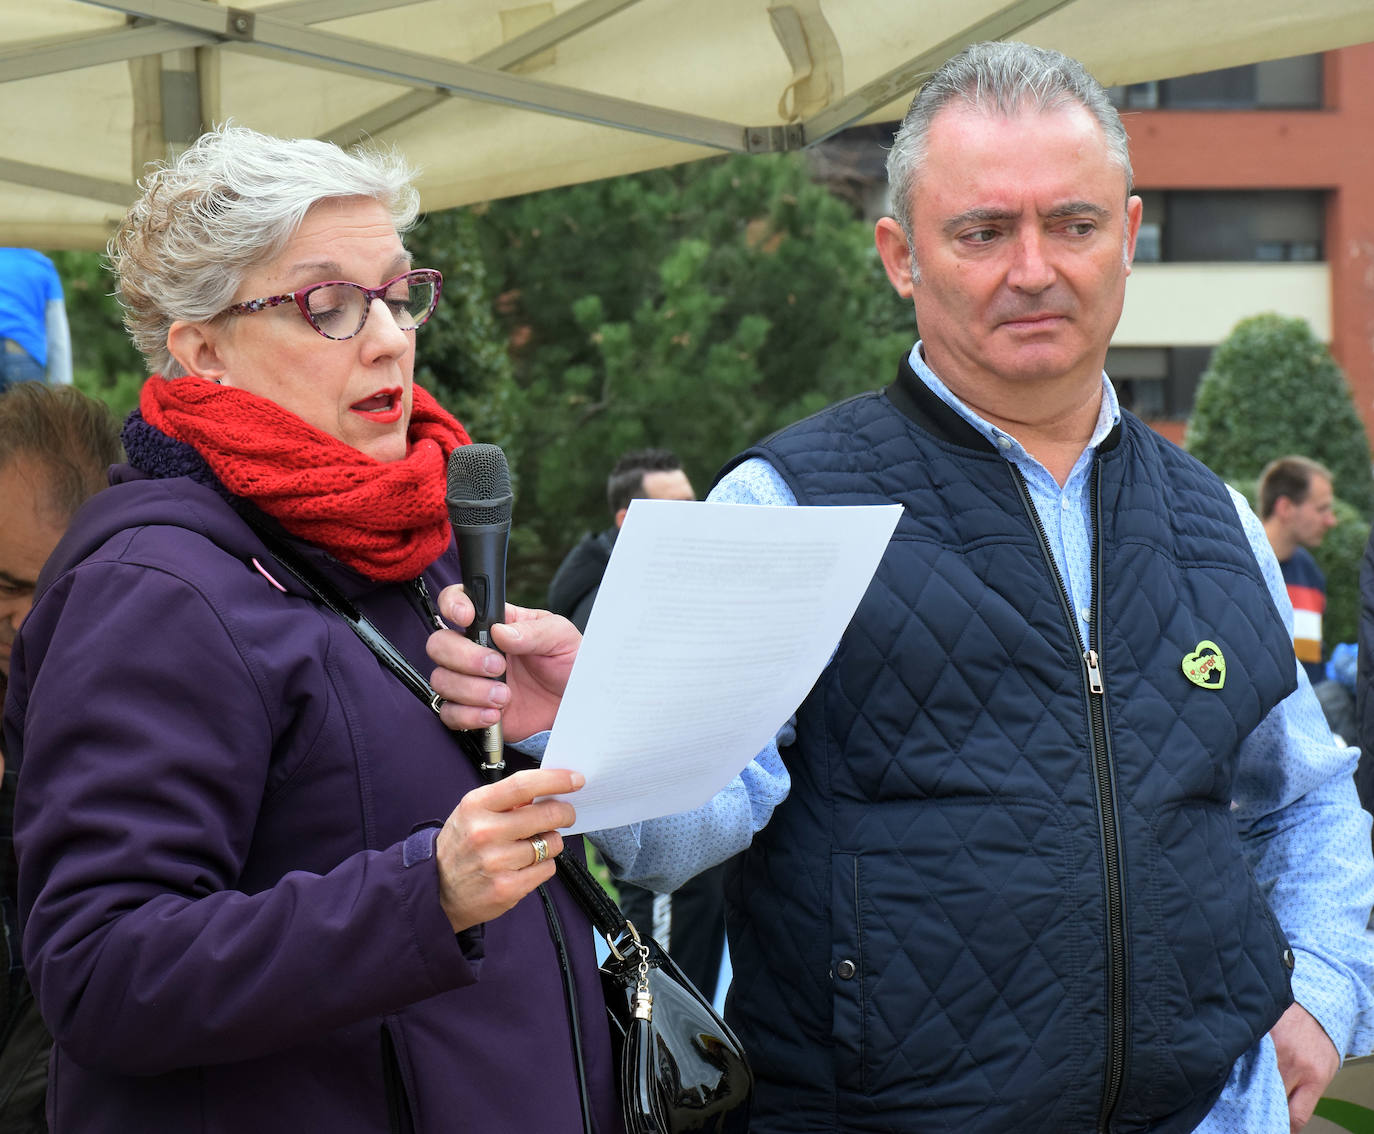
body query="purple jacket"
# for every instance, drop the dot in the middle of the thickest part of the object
(228, 925)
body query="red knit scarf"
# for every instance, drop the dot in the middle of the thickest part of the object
(385, 519)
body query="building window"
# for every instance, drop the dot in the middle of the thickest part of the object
(1276, 84)
(1157, 383)
(1149, 241)
(1210, 226)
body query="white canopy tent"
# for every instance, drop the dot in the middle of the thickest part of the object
(495, 97)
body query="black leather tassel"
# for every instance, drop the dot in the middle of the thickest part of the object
(640, 1101)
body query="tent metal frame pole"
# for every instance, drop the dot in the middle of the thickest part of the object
(29, 61)
(549, 34)
(906, 78)
(91, 49)
(256, 31)
(73, 184)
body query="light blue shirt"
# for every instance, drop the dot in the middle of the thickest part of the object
(1307, 839)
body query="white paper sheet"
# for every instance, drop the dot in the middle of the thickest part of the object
(712, 624)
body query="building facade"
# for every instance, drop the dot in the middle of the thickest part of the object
(1258, 185)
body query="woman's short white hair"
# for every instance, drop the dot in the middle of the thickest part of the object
(230, 201)
(998, 78)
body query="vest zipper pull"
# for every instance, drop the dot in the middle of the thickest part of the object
(1094, 672)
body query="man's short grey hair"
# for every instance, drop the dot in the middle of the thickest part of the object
(230, 201)
(998, 78)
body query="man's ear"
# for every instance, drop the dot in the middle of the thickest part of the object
(895, 254)
(620, 516)
(197, 347)
(1135, 211)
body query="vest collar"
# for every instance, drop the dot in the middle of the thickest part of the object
(916, 401)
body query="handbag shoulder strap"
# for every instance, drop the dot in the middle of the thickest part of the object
(596, 903)
(330, 596)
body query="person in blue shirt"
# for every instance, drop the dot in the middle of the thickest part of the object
(1059, 841)
(35, 342)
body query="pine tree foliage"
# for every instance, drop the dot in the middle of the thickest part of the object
(105, 363)
(698, 308)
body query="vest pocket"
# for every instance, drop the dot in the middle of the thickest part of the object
(1210, 961)
(961, 956)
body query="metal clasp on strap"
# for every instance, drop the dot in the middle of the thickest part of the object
(642, 1001)
(613, 942)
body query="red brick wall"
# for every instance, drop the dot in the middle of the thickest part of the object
(1330, 149)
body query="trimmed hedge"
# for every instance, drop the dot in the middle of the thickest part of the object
(1272, 389)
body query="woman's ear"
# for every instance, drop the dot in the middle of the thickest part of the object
(198, 348)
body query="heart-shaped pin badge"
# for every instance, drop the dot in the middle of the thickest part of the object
(1205, 666)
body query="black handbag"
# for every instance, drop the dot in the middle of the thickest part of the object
(681, 1069)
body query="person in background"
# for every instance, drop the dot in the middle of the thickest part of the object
(1066, 846)
(35, 342)
(1295, 505)
(261, 886)
(654, 474)
(56, 447)
(690, 921)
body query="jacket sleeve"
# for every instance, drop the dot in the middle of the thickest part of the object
(1308, 842)
(147, 737)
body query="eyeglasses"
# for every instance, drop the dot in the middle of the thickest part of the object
(338, 309)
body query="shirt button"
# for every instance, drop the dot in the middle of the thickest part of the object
(1004, 442)
(1064, 503)
(1084, 615)
(845, 970)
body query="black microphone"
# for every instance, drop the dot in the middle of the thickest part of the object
(479, 505)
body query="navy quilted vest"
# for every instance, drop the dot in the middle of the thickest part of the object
(995, 899)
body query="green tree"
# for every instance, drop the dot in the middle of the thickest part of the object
(1272, 389)
(104, 361)
(461, 352)
(1339, 558)
(697, 308)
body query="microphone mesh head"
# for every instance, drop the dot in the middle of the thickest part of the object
(478, 486)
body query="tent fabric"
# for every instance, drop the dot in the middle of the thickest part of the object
(495, 98)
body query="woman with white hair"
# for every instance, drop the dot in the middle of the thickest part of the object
(263, 889)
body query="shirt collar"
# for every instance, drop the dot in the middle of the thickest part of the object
(1108, 414)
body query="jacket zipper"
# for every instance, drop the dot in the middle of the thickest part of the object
(1104, 782)
(420, 598)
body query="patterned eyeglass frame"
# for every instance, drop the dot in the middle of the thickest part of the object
(249, 306)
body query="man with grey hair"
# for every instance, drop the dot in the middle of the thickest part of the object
(1066, 849)
(1038, 870)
